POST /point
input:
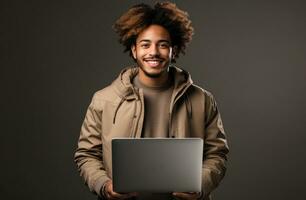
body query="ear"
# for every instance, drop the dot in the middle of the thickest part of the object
(133, 49)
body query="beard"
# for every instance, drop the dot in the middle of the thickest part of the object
(153, 74)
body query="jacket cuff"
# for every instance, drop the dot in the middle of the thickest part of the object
(207, 183)
(100, 185)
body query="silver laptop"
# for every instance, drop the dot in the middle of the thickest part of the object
(157, 165)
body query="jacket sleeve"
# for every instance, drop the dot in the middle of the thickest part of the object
(88, 155)
(215, 147)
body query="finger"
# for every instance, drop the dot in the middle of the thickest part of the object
(108, 196)
(122, 195)
(117, 195)
(186, 195)
(181, 195)
(111, 194)
(112, 198)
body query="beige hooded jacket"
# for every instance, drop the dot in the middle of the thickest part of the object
(118, 111)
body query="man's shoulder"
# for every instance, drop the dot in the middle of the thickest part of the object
(200, 90)
(204, 99)
(105, 94)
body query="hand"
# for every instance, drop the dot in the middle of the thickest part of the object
(187, 195)
(110, 194)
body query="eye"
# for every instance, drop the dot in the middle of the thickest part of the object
(164, 45)
(144, 45)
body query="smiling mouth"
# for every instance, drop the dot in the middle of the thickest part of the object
(153, 62)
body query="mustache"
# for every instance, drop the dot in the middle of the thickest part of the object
(154, 58)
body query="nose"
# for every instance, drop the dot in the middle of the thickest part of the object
(154, 50)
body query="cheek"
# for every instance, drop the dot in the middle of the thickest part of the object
(140, 53)
(167, 53)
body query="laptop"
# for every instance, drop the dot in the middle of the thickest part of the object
(157, 165)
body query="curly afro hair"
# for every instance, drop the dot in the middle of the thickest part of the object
(165, 14)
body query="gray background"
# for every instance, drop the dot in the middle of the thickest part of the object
(249, 54)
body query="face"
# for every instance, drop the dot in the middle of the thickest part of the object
(153, 51)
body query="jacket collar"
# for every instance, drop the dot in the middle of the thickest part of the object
(124, 88)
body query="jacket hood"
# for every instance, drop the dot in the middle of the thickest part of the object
(124, 88)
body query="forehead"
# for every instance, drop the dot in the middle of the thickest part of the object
(154, 33)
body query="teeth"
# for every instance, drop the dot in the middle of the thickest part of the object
(153, 62)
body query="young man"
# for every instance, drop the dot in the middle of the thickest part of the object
(152, 99)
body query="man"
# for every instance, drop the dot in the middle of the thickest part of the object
(152, 99)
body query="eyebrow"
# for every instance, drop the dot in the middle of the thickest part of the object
(159, 41)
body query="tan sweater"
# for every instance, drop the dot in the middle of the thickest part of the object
(157, 108)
